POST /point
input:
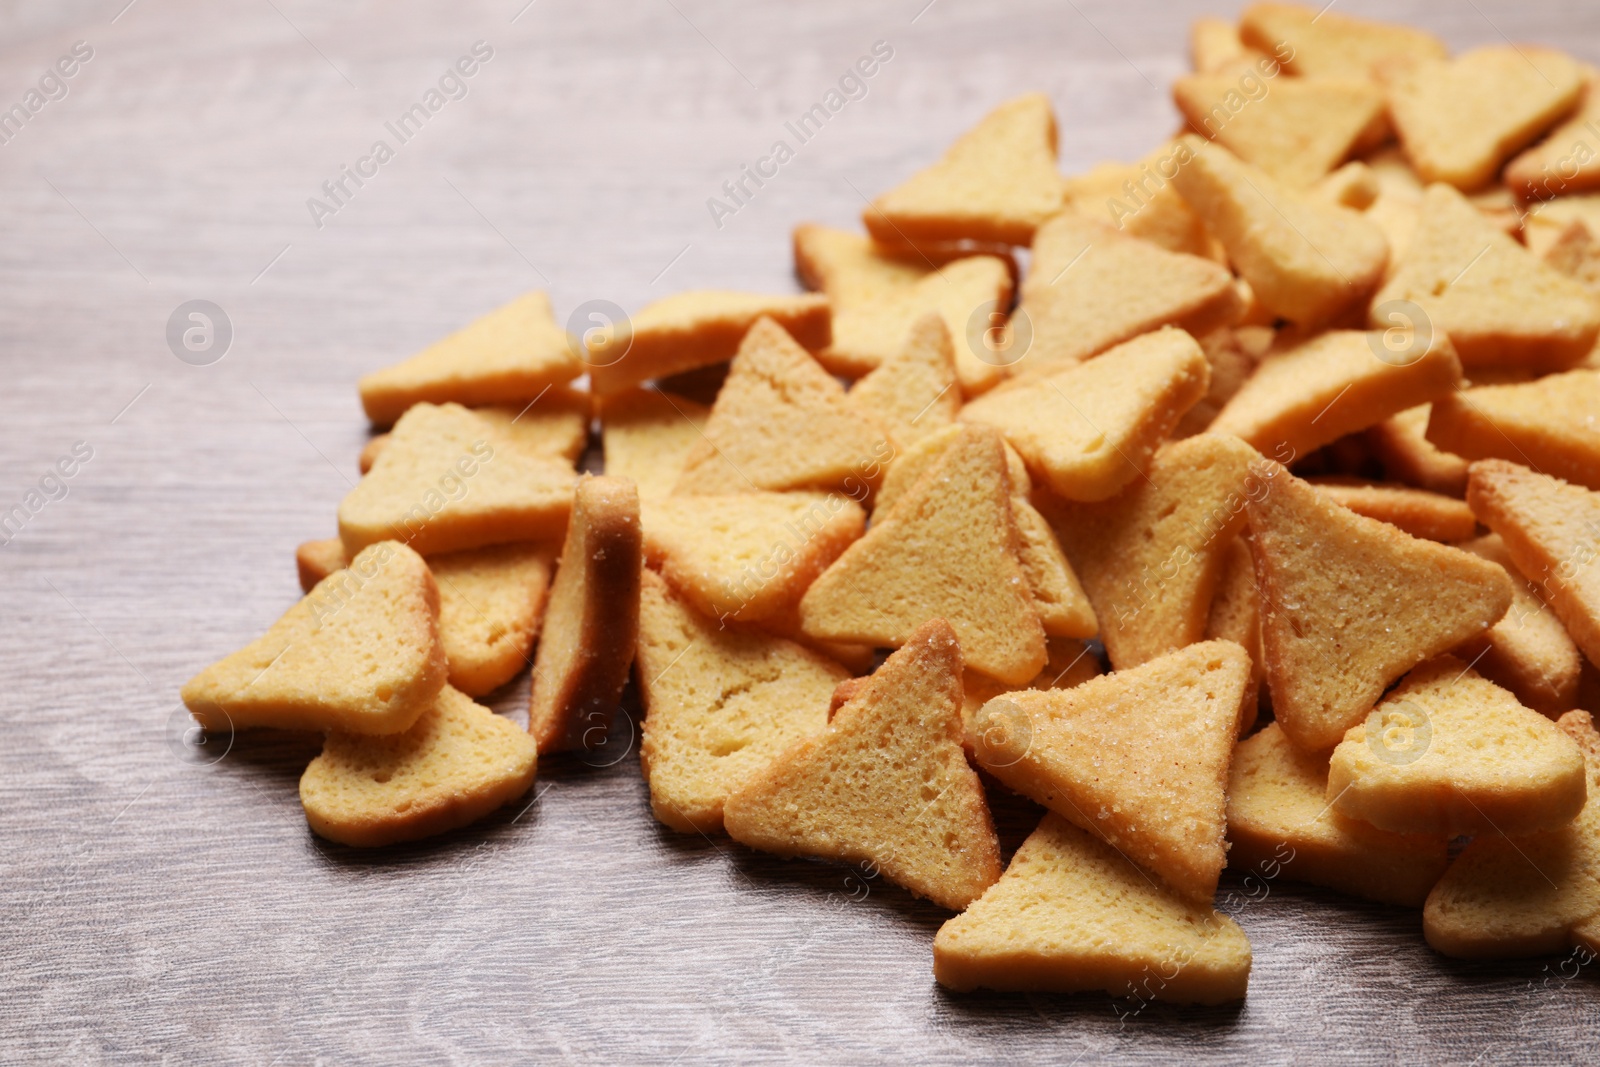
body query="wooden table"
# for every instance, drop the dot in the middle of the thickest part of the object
(160, 904)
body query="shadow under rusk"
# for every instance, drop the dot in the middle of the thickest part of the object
(493, 829)
(987, 1008)
(825, 883)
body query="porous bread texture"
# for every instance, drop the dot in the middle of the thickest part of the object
(647, 437)
(359, 653)
(315, 560)
(1071, 915)
(1138, 757)
(781, 422)
(1551, 424)
(1568, 161)
(914, 392)
(886, 782)
(1136, 392)
(998, 182)
(1235, 612)
(947, 550)
(878, 292)
(720, 703)
(1528, 651)
(1510, 897)
(1306, 260)
(1090, 288)
(1460, 119)
(490, 604)
(1152, 209)
(912, 462)
(1280, 821)
(592, 623)
(1431, 516)
(1334, 384)
(1449, 752)
(509, 356)
(554, 423)
(748, 556)
(1552, 531)
(1349, 604)
(1499, 305)
(1401, 444)
(1150, 557)
(457, 763)
(1326, 44)
(686, 331)
(447, 482)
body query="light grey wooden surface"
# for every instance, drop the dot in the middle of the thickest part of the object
(155, 908)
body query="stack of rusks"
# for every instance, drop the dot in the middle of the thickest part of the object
(1256, 525)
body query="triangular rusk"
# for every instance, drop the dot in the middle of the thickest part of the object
(359, 653)
(1306, 260)
(1280, 821)
(748, 556)
(491, 601)
(948, 550)
(1498, 303)
(780, 422)
(1091, 428)
(1420, 513)
(647, 437)
(1090, 288)
(1070, 915)
(1550, 529)
(720, 703)
(1531, 896)
(555, 423)
(1349, 604)
(1138, 200)
(1550, 424)
(914, 392)
(1150, 556)
(998, 182)
(1317, 43)
(1566, 162)
(886, 783)
(1236, 612)
(877, 292)
(1448, 752)
(1528, 651)
(1334, 384)
(1460, 119)
(1138, 757)
(1296, 130)
(509, 356)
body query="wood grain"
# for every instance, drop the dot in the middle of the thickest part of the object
(157, 908)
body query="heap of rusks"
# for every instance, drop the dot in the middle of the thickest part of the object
(1365, 257)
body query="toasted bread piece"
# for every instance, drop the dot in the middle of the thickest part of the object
(1549, 529)
(878, 293)
(780, 422)
(1139, 200)
(1071, 915)
(315, 560)
(998, 182)
(446, 482)
(1279, 819)
(556, 423)
(1297, 131)
(1576, 254)
(1353, 185)
(490, 604)
(1071, 663)
(914, 392)
(509, 356)
(1431, 516)
(857, 658)
(748, 556)
(1334, 384)
(1150, 556)
(1460, 119)
(721, 702)
(947, 550)
(1214, 44)
(360, 653)
(1305, 259)
(1401, 444)
(1326, 44)
(1528, 651)
(1090, 429)
(592, 623)
(1551, 424)
(1091, 288)
(456, 764)
(886, 782)
(1449, 752)
(1349, 604)
(1504, 897)
(912, 462)
(1236, 612)
(1546, 221)
(1232, 364)
(1498, 303)
(696, 329)
(1138, 757)
(648, 436)
(1566, 162)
